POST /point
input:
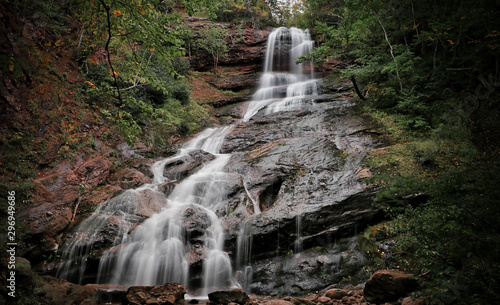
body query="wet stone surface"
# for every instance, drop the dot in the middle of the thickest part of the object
(304, 172)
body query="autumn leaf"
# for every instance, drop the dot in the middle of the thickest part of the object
(90, 84)
(143, 11)
(117, 13)
(11, 66)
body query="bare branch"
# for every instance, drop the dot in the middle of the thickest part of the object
(391, 51)
(113, 72)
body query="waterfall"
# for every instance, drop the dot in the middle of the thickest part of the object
(285, 85)
(159, 249)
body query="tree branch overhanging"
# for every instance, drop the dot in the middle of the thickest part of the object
(113, 72)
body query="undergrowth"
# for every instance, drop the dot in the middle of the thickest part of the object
(440, 194)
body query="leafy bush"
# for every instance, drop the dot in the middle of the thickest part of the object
(181, 92)
(455, 236)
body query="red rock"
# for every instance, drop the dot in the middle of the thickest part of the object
(324, 299)
(410, 301)
(167, 294)
(388, 286)
(100, 195)
(129, 178)
(94, 171)
(61, 292)
(55, 196)
(336, 293)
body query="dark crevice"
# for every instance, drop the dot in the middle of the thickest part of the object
(269, 195)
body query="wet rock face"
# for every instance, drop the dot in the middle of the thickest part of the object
(304, 171)
(185, 166)
(196, 221)
(313, 269)
(293, 166)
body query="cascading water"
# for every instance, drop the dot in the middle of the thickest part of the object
(285, 85)
(158, 250)
(155, 252)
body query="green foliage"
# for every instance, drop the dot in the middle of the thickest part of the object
(455, 236)
(397, 50)
(142, 68)
(256, 13)
(214, 40)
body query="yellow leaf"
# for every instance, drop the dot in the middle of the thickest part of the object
(11, 66)
(143, 11)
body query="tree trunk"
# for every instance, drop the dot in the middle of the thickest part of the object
(216, 61)
(108, 52)
(358, 92)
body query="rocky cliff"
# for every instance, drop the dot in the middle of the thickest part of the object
(304, 170)
(298, 183)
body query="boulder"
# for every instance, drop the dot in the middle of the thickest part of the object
(94, 172)
(109, 293)
(336, 294)
(24, 276)
(278, 302)
(61, 292)
(128, 178)
(167, 294)
(324, 299)
(183, 166)
(230, 296)
(389, 285)
(196, 221)
(302, 301)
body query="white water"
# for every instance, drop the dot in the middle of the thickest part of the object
(284, 84)
(157, 251)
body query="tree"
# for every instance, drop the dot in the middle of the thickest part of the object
(213, 40)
